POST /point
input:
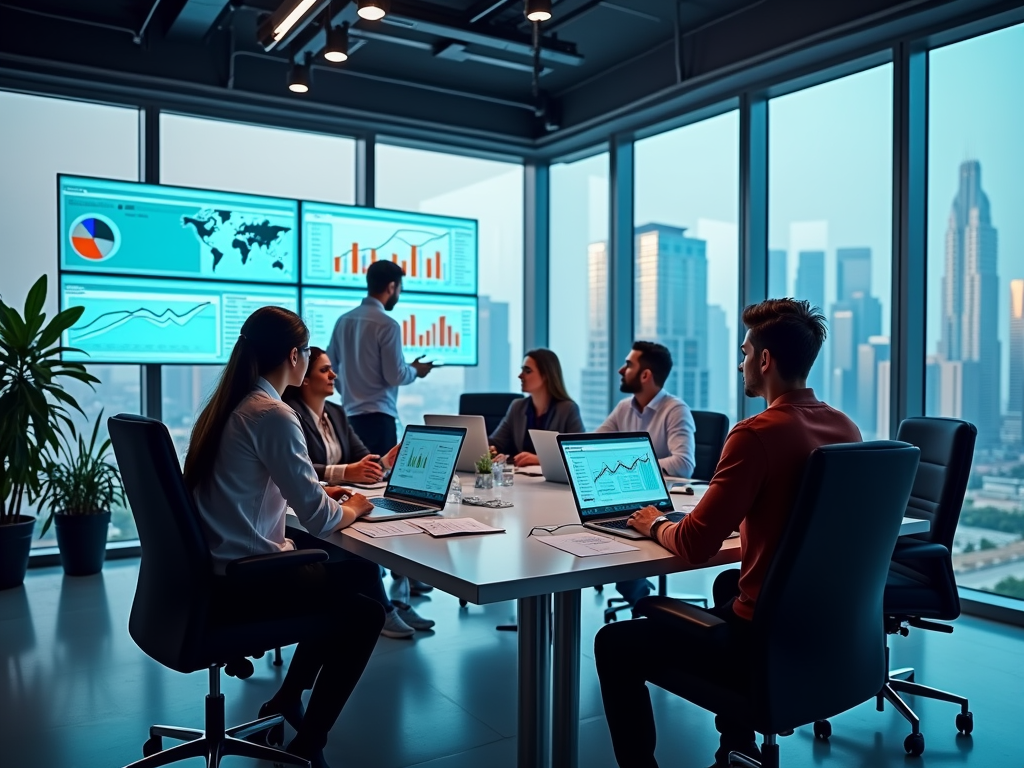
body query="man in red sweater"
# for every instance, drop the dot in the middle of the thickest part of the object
(753, 490)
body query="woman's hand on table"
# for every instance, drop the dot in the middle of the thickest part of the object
(366, 470)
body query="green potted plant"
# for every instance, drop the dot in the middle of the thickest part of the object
(484, 478)
(33, 409)
(79, 488)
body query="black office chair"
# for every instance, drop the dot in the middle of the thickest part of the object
(820, 606)
(171, 618)
(710, 431)
(921, 585)
(491, 405)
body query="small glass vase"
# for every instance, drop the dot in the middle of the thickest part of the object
(484, 480)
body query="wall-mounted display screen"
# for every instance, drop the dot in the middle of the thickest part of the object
(139, 320)
(438, 253)
(117, 227)
(444, 328)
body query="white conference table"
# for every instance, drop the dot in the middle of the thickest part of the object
(512, 566)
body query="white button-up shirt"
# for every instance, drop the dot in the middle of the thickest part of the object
(668, 421)
(366, 349)
(261, 469)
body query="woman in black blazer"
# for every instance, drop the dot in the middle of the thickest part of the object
(546, 406)
(339, 456)
(337, 453)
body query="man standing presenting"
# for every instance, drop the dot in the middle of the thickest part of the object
(366, 346)
(666, 418)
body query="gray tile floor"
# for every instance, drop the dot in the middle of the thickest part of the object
(77, 693)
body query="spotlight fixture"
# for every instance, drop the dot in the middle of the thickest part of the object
(538, 10)
(299, 76)
(336, 50)
(286, 21)
(372, 10)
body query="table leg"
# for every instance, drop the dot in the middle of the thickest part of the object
(565, 726)
(534, 681)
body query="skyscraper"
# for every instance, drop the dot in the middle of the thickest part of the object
(722, 361)
(810, 285)
(492, 373)
(670, 305)
(970, 305)
(778, 265)
(594, 405)
(1013, 423)
(856, 317)
(853, 272)
(872, 393)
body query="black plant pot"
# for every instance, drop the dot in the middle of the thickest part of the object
(15, 545)
(83, 542)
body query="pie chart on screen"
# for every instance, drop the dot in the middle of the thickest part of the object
(94, 237)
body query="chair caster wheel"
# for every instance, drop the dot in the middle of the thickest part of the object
(275, 735)
(599, 588)
(822, 729)
(462, 603)
(914, 744)
(152, 745)
(965, 723)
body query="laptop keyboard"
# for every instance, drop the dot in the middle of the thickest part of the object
(396, 506)
(618, 523)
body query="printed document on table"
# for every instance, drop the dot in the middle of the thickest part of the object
(383, 530)
(586, 544)
(454, 526)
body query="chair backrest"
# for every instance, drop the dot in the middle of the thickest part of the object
(169, 613)
(710, 431)
(947, 450)
(491, 405)
(818, 623)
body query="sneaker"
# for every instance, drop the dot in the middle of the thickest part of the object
(407, 614)
(399, 589)
(418, 588)
(395, 627)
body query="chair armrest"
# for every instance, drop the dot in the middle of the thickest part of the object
(910, 552)
(679, 616)
(262, 565)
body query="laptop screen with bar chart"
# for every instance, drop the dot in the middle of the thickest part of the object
(613, 473)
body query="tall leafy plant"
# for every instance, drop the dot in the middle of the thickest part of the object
(82, 481)
(34, 407)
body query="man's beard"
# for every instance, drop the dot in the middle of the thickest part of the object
(629, 387)
(391, 303)
(748, 387)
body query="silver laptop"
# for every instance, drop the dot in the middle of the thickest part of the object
(422, 474)
(476, 444)
(545, 443)
(612, 475)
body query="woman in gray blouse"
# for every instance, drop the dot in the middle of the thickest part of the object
(546, 406)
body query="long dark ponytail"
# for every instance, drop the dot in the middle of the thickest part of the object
(266, 340)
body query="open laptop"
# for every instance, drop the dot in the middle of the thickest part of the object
(476, 444)
(422, 474)
(545, 443)
(612, 475)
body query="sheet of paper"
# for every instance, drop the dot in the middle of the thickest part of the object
(586, 544)
(383, 530)
(454, 526)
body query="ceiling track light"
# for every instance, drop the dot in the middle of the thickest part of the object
(538, 10)
(286, 21)
(336, 50)
(299, 75)
(372, 10)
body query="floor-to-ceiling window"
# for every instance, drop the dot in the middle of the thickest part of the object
(687, 257)
(975, 331)
(492, 193)
(578, 277)
(238, 157)
(39, 138)
(830, 231)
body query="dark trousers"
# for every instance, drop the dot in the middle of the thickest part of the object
(342, 596)
(378, 431)
(630, 654)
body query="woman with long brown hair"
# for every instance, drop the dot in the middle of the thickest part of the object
(547, 405)
(245, 465)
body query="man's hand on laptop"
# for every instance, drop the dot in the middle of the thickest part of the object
(642, 519)
(358, 504)
(526, 459)
(366, 470)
